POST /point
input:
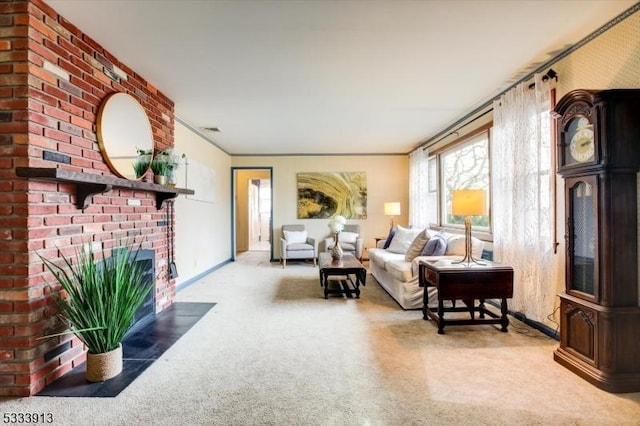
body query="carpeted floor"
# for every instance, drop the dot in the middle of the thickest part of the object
(273, 351)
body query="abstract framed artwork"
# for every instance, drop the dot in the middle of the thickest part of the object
(322, 195)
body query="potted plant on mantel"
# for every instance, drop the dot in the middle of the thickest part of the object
(173, 161)
(98, 300)
(161, 169)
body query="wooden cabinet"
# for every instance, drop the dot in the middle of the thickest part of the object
(599, 157)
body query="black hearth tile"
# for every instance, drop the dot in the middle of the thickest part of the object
(136, 345)
(166, 334)
(75, 384)
(152, 333)
(146, 349)
(71, 384)
(175, 326)
(160, 331)
(131, 369)
(191, 309)
(139, 351)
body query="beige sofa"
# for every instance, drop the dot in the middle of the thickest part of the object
(400, 278)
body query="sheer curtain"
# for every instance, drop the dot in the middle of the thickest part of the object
(522, 197)
(418, 189)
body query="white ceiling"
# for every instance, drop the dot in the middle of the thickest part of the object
(333, 76)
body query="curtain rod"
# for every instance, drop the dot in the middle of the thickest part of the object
(551, 74)
(457, 125)
(461, 122)
(455, 132)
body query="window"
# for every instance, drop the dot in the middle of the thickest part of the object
(265, 196)
(465, 166)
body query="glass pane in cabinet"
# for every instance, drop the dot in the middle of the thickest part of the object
(583, 244)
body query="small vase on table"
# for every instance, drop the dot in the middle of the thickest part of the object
(336, 250)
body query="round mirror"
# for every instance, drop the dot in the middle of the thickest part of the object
(124, 136)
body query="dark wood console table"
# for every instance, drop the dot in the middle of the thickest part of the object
(343, 269)
(468, 283)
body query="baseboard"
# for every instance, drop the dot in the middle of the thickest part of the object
(201, 275)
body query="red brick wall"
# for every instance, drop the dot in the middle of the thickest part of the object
(52, 82)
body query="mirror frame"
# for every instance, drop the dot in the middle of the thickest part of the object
(123, 127)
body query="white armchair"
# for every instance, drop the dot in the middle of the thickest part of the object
(349, 239)
(296, 244)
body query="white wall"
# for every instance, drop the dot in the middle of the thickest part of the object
(387, 180)
(203, 221)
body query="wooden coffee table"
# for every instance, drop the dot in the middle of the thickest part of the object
(345, 270)
(468, 283)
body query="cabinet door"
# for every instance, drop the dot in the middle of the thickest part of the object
(582, 237)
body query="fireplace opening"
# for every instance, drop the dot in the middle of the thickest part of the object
(146, 258)
(147, 311)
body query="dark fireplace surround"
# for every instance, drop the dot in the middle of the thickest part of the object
(146, 258)
(147, 311)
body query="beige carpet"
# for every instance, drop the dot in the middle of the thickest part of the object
(273, 351)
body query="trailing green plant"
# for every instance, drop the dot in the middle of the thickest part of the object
(171, 157)
(145, 152)
(98, 299)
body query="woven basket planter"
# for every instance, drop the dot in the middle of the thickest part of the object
(101, 367)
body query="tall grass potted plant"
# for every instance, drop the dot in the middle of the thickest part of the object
(98, 300)
(161, 170)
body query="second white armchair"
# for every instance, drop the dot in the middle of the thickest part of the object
(349, 239)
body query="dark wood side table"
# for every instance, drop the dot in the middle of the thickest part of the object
(378, 239)
(343, 269)
(468, 283)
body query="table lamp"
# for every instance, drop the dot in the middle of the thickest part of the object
(392, 209)
(467, 203)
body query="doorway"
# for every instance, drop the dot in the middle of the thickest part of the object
(259, 214)
(252, 210)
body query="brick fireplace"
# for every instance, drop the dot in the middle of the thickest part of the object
(53, 79)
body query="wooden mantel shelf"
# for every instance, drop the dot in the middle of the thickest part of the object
(88, 184)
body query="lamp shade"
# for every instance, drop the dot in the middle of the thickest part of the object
(468, 202)
(392, 208)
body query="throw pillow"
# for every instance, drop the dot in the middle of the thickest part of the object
(456, 245)
(348, 237)
(295, 237)
(416, 246)
(436, 246)
(403, 239)
(387, 242)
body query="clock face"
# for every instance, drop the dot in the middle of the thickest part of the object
(579, 140)
(581, 145)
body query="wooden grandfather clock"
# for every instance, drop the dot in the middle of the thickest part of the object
(598, 144)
